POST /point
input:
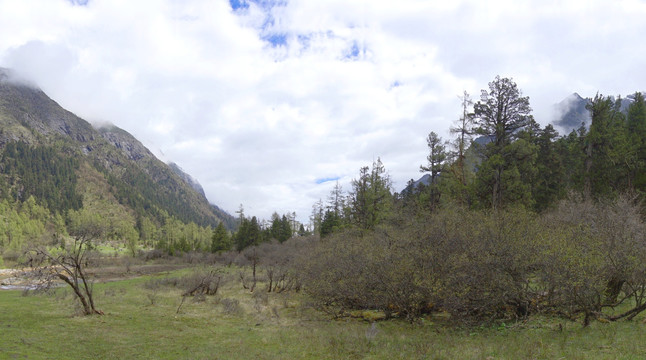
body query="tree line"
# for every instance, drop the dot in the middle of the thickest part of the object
(500, 156)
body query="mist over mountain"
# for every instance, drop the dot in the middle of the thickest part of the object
(570, 113)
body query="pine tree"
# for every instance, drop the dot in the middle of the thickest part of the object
(220, 241)
(605, 147)
(550, 182)
(436, 164)
(371, 199)
(500, 114)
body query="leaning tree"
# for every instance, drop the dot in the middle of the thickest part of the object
(68, 259)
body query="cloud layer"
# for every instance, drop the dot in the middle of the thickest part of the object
(265, 101)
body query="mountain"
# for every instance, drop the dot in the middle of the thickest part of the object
(571, 112)
(412, 185)
(111, 167)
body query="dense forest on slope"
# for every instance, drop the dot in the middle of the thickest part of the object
(43, 173)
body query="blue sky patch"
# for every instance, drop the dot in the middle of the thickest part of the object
(239, 4)
(268, 31)
(327, 179)
(355, 52)
(276, 39)
(79, 2)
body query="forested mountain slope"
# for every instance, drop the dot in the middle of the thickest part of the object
(47, 151)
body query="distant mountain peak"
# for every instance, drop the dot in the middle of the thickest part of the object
(570, 113)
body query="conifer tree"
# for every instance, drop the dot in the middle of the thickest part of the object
(501, 112)
(220, 241)
(371, 199)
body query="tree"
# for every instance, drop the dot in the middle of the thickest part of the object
(371, 199)
(220, 241)
(281, 228)
(331, 222)
(317, 216)
(436, 157)
(464, 130)
(500, 113)
(249, 233)
(68, 260)
(285, 229)
(301, 230)
(636, 127)
(436, 164)
(336, 199)
(605, 148)
(550, 182)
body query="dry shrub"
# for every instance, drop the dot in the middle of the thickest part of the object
(202, 283)
(596, 258)
(472, 264)
(582, 258)
(231, 306)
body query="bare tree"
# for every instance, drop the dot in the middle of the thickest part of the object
(68, 260)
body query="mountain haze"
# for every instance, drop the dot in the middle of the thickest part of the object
(571, 112)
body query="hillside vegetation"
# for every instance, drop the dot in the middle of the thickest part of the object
(60, 163)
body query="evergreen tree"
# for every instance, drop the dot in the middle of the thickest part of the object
(285, 229)
(550, 182)
(636, 157)
(317, 216)
(331, 223)
(220, 241)
(336, 199)
(605, 147)
(242, 235)
(371, 199)
(436, 163)
(248, 234)
(501, 113)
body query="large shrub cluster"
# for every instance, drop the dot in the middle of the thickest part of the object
(582, 259)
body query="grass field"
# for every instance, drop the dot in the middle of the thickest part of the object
(143, 323)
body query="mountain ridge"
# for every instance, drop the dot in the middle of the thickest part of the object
(138, 179)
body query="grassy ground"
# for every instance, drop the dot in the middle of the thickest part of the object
(143, 323)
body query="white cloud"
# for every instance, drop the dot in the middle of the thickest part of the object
(258, 124)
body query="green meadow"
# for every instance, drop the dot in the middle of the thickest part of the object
(147, 318)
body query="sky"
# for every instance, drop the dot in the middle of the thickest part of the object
(268, 103)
